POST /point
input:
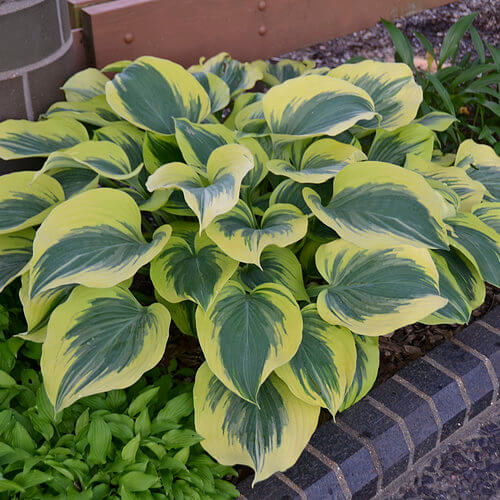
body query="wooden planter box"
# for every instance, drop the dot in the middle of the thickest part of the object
(184, 30)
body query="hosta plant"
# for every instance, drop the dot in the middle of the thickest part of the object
(287, 230)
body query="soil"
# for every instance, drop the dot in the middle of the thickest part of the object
(375, 42)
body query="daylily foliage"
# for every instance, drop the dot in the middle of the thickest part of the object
(287, 233)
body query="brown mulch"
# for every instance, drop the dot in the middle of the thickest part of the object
(375, 42)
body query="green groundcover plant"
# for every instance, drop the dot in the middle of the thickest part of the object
(467, 88)
(287, 230)
(133, 444)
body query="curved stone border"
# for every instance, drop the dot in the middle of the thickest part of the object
(397, 423)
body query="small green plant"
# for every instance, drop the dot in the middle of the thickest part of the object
(286, 230)
(467, 88)
(131, 444)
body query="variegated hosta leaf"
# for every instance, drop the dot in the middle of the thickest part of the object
(240, 236)
(323, 368)
(392, 147)
(479, 242)
(158, 150)
(183, 314)
(37, 311)
(378, 204)
(367, 362)
(375, 291)
(100, 340)
(151, 92)
(482, 164)
(23, 139)
(390, 85)
(460, 283)
(93, 239)
(103, 157)
(259, 171)
(251, 119)
(197, 141)
(216, 194)
(450, 200)
(268, 437)
(321, 161)
(489, 213)
(85, 85)
(125, 135)
(95, 111)
(117, 66)
(245, 336)
(315, 105)
(239, 103)
(74, 180)
(237, 76)
(470, 192)
(290, 191)
(283, 70)
(216, 88)
(15, 254)
(25, 200)
(277, 265)
(191, 267)
(437, 120)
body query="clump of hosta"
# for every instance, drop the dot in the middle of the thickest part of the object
(287, 237)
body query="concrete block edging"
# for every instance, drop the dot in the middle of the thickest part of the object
(398, 423)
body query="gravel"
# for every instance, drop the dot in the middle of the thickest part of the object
(466, 469)
(375, 43)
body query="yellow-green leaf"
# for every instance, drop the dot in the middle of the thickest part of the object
(378, 204)
(191, 267)
(216, 88)
(269, 437)
(100, 340)
(375, 291)
(26, 199)
(15, 254)
(103, 157)
(23, 139)
(93, 239)
(482, 164)
(479, 242)
(245, 336)
(95, 111)
(489, 213)
(240, 236)
(158, 150)
(321, 161)
(323, 367)
(85, 85)
(151, 92)
(460, 283)
(209, 196)
(277, 265)
(392, 147)
(367, 362)
(391, 86)
(315, 105)
(237, 76)
(283, 70)
(437, 120)
(198, 141)
(471, 192)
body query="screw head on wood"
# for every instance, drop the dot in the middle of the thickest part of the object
(262, 30)
(128, 38)
(261, 5)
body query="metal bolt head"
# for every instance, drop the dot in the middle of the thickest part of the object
(262, 30)
(128, 38)
(261, 5)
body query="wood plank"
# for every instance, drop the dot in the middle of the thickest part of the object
(75, 7)
(184, 30)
